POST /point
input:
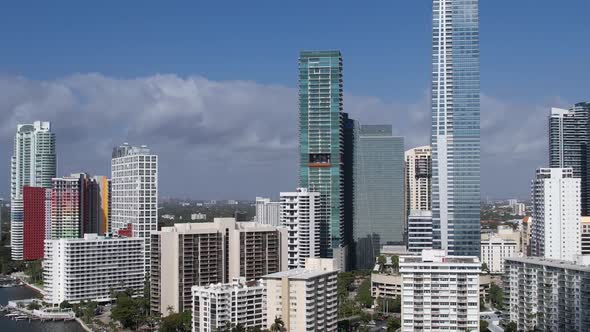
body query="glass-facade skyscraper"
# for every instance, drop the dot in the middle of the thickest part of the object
(321, 144)
(455, 135)
(569, 146)
(378, 192)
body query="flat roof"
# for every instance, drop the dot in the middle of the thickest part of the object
(299, 274)
(551, 262)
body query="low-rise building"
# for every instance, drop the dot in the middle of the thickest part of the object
(92, 268)
(305, 299)
(199, 254)
(198, 216)
(218, 305)
(548, 295)
(440, 292)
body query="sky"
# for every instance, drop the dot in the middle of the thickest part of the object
(210, 86)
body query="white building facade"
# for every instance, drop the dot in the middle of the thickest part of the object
(494, 250)
(217, 305)
(33, 163)
(267, 211)
(556, 214)
(299, 214)
(134, 193)
(305, 299)
(91, 268)
(440, 292)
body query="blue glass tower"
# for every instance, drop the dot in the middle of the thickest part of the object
(455, 127)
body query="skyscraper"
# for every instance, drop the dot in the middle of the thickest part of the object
(267, 212)
(33, 164)
(418, 179)
(378, 192)
(321, 144)
(569, 135)
(455, 136)
(36, 221)
(134, 193)
(555, 231)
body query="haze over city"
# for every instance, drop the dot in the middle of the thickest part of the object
(218, 102)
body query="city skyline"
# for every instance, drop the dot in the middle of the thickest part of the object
(185, 107)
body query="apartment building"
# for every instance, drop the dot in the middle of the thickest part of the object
(440, 292)
(299, 215)
(305, 299)
(419, 230)
(548, 295)
(91, 268)
(240, 302)
(585, 235)
(200, 254)
(494, 250)
(267, 211)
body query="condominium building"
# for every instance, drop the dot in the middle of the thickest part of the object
(568, 146)
(440, 292)
(525, 229)
(267, 211)
(305, 299)
(79, 205)
(299, 214)
(321, 145)
(199, 254)
(33, 164)
(418, 178)
(378, 192)
(134, 193)
(92, 268)
(419, 230)
(548, 295)
(37, 221)
(240, 302)
(455, 130)
(585, 235)
(556, 214)
(495, 249)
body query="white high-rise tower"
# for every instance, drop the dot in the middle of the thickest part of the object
(33, 163)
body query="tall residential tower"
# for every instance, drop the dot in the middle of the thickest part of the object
(321, 144)
(33, 164)
(455, 136)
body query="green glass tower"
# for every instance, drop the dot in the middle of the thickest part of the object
(321, 144)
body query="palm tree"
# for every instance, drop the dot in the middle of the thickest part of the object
(278, 325)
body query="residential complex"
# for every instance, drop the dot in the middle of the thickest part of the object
(555, 231)
(33, 164)
(305, 299)
(585, 235)
(321, 144)
(92, 268)
(494, 250)
(419, 230)
(440, 292)
(569, 132)
(378, 192)
(134, 193)
(418, 178)
(548, 295)
(455, 138)
(37, 221)
(200, 254)
(216, 306)
(267, 211)
(525, 230)
(299, 214)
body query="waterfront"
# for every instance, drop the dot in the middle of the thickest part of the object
(8, 325)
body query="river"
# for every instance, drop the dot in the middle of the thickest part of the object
(19, 293)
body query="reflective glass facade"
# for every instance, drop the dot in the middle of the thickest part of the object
(321, 141)
(378, 192)
(456, 127)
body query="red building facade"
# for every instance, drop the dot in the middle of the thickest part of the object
(36, 203)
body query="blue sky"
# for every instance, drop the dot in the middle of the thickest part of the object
(534, 53)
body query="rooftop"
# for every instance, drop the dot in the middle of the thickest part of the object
(551, 262)
(298, 274)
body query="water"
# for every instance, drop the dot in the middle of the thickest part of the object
(19, 293)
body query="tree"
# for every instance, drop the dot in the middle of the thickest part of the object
(177, 322)
(389, 304)
(345, 280)
(33, 306)
(65, 305)
(363, 296)
(395, 262)
(127, 312)
(393, 324)
(496, 296)
(511, 327)
(484, 267)
(278, 325)
(483, 326)
(381, 260)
